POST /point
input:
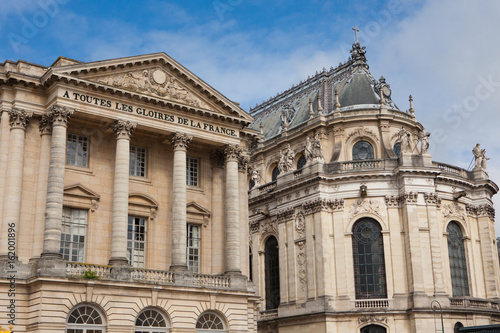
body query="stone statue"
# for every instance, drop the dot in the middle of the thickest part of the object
(317, 149)
(286, 160)
(479, 155)
(424, 141)
(308, 153)
(404, 140)
(256, 177)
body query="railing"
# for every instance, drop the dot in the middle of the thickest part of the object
(267, 187)
(372, 303)
(74, 269)
(364, 164)
(450, 169)
(474, 303)
(268, 314)
(151, 275)
(215, 281)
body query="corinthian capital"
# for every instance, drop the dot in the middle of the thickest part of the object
(18, 118)
(232, 152)
(180, 140)
(59, 115)
(44, 125)
(123, 128)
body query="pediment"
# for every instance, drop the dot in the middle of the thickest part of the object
(196, 209)
(78, 190)
(141, 199)
(155, 75)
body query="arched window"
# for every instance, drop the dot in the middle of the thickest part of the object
(301, 162)
(85, 319)
(457, 327)
(276, 172)
(397, 149)
(272, 273)
(369, 263)
(210, 322)
(151, 321)
(373, 329)
(251, 184)
(458, 263)
(362, 150)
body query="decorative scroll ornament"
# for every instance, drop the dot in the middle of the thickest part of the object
(123, 128)
(454, 211)
(409, 198)
(180, 140)
(371, 319)
(481, 210)
(302, 264)
(364, 206)
(392, 200)
(233, 152)
(154, 82)
(432, 199)
(362, 131)
(243, 161)
(19, 118)
(44, 125)
(59, 115)
(321, 204)
(285, 215)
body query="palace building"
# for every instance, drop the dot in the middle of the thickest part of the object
(123, 199)
(353, 227)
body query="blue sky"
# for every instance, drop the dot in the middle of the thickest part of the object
(445, 53)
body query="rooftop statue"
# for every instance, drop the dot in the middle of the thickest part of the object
(424, 141)
(480, 157)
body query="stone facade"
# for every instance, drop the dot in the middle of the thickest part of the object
(375, 168)
(112, 161)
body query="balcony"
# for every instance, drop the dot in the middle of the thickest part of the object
(462, 302)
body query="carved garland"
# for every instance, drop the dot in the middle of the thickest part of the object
(362, 131)
(364, 206)
(454, 210)
(302, 263)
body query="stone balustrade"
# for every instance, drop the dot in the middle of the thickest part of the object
(451, 170)
(78, 270)
(152, 275)
(215, 281)
(473, 303)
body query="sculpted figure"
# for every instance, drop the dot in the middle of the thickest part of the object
(317, 149)
(479, 155)
(424, 141)
(308, 152)
(256, 177)
(404, 140)
(286, 160)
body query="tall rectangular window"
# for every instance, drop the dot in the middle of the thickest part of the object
(73, 233)
(192, 171)
(77, 150)
(136, 241)
(193, 247)
(137, 161)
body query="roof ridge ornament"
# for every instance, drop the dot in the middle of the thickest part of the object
(411, 110)
(356, 30)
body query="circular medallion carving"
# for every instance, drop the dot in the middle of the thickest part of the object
(159, 76)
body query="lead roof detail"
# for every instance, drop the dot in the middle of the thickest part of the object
(353, 81)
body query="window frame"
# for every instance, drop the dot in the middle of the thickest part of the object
(72, 225)
(193, 268)
(359, 142)
(85, 327)
(189, 177)
(132, 241)
(86, 151)
(216, 315)
(133, 164)
(456, 285)
(152, 328)
(271, 274)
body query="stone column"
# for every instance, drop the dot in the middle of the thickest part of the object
(179, 141)
(18, 120)
(232, 210)
(41, 185)
(123, 130)
(59, 117)
(4, 153)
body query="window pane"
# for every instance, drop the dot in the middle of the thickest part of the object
(272, 274)
(73, 233)
(77, 150)
(137, 161)
(458, 263)
(368, 256)
(136, 241)
(193, 247)
(192, 171)
(362, 150)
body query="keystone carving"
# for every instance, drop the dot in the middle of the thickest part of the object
(364, 206)
(268, 226)
(454, 210)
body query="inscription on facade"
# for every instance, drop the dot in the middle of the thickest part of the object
(162, 116)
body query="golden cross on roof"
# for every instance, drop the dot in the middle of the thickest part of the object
(355, 33)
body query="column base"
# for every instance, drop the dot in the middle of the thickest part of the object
(179, 268)
(50, 264)
(118, 262)
(238, 280)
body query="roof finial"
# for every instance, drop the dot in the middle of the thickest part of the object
(337, 103)
(411, 110)
(356, 33)
(320, 108)
(311, 111)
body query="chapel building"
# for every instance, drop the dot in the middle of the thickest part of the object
(353, 227)
(123, 199)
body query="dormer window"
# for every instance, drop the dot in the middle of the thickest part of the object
(362, 150)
